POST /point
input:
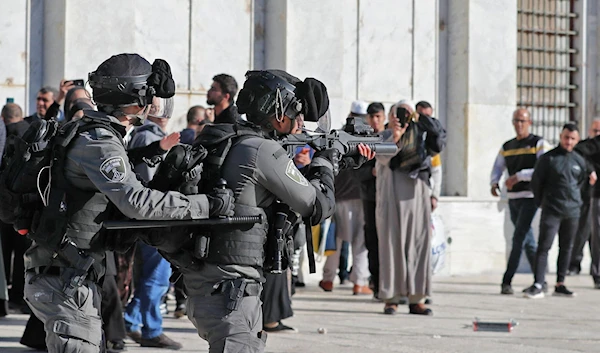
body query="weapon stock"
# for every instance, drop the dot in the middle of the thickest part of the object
(135, 224)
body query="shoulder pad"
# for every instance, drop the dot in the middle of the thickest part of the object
(214, 134)
(101, 133)
(217, 133)
(97, 133)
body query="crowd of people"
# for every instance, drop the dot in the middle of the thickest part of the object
(382, 214)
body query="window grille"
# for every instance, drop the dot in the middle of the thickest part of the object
(545, 64)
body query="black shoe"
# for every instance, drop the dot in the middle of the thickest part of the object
(161, 341)
(533, 292)
(115, 346)
(544, 288)
(296, 282)
(507, 289)
(390, 309)
(419, 309)
(428, 301)
(597, 285)
(562, 291)
(280, 328)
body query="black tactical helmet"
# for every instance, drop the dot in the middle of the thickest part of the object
(267, 94)
(126, 79)
(122, 80)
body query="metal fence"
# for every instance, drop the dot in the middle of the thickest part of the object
(545, 63)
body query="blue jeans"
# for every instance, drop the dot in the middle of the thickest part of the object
(143, 311)
(522, 212)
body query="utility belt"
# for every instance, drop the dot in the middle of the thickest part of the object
(237, 289)
(59, 271)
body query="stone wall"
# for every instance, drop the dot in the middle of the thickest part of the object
(458, 54)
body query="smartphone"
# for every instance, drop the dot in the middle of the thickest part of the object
(10, 100)
(403, 116)
(78, 82)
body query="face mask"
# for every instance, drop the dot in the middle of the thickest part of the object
(139, 118)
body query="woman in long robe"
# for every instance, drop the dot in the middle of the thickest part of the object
(403, 216)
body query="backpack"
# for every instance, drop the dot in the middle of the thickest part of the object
(22, 175)
(33, 183)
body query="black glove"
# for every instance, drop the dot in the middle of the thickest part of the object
(333, 156)
(161, 79)
(354, 162)
(221, 202)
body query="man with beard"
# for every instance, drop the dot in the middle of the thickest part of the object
(221, 94)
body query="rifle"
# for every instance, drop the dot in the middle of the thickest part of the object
(346, 141)
(135, 224)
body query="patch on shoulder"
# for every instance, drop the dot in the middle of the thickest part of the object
(97, 134)
(293, 173)
(113, 169)
(280, 152)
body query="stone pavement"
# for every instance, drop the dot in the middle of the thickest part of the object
(356, 324)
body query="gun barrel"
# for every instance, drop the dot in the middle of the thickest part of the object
(135, 224)
(385, 148)
(381, 148)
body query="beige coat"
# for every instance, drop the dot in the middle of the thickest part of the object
(403, 217)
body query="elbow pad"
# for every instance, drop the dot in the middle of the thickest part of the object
(320, 175)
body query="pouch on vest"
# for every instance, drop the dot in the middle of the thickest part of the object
(279, 246)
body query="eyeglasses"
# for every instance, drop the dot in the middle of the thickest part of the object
(522, 121)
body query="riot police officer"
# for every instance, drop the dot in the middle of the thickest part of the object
(224, 291)
(98, 174)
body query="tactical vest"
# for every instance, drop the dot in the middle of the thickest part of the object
(239, 246)
(230, 245)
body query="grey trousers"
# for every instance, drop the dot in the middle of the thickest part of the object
(72, 325)
(226, 331)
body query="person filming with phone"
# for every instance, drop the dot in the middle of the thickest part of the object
(404, 213)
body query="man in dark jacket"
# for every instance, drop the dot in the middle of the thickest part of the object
(221, 94)
(589, 222)
(556, 183)
(366, 175)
